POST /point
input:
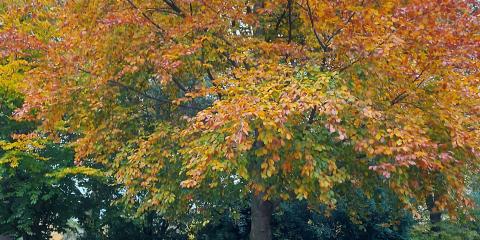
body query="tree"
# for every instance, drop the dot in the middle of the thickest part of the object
(194, 103)
(33, 204)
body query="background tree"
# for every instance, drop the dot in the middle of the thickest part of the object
(41, 190)
(33, 204)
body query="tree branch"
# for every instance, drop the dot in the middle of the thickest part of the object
(179, 85)
(364, 57)
(129, 88)
(163, 10)
(312, 115)
(174, 7)
(210, 75)
(336, 32)
(404, 93)
(289, 6)
(312, 22)
(160, 29)
(399, 98)
(279, 21)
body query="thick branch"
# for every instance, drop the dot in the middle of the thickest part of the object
(312, 115)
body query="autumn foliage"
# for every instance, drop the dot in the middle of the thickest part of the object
(194, 103)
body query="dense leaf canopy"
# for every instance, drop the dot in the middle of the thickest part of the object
(194, 103)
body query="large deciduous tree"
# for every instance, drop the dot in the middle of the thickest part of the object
(194, 103)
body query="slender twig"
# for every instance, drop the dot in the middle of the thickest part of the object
(399, 98)
(162, 10)
(289, 6)
(313, 112)
(160, 29)
(364, 57)
(174, 7)
(129, 88)
(210, 75)
(132, 89)
(312, 22)
(179, 85)
(404, 93)
(336, 32)
(350, 64)
(279, 21)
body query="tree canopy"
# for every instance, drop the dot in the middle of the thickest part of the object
(191, 104)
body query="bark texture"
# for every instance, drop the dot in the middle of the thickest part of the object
(261, 211)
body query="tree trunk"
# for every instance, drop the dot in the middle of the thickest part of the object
(261, 214)
(435, 214)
